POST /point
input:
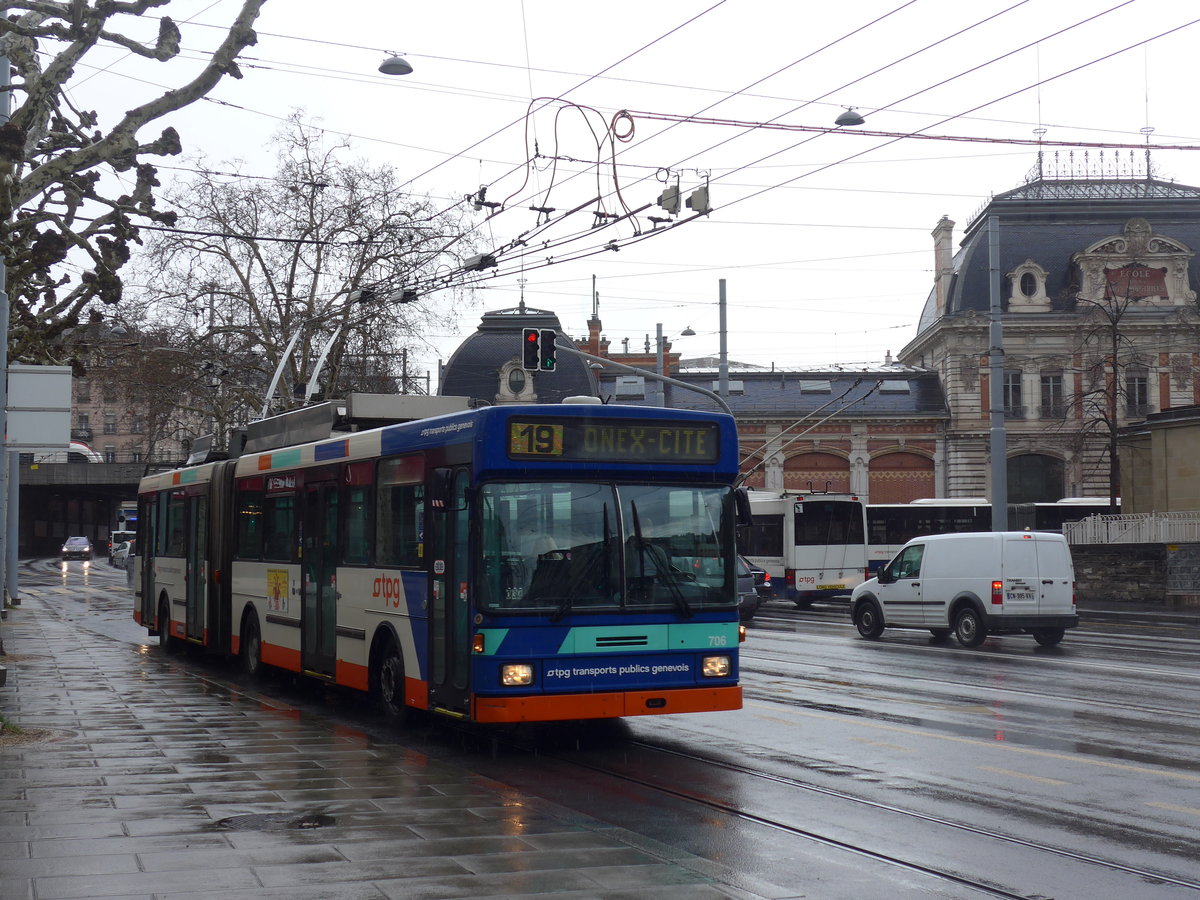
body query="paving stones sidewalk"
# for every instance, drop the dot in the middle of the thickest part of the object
(157, 783)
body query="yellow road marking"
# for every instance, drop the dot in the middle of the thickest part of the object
(976, 742)
(1010, 772)
(1173, 808)
(884, 744)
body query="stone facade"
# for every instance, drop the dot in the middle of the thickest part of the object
(1099, 320)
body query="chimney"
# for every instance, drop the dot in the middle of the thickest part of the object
(594, 335)
(943, 261)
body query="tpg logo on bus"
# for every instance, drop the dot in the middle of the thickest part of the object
(390, 589)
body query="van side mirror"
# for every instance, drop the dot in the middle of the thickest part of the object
(885, 575)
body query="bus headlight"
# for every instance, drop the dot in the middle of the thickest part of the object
(516, 674)
(716, 667)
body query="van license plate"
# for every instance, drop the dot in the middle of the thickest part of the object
(1020, 595)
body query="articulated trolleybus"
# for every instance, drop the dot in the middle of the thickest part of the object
(813, 544)
(504, 564)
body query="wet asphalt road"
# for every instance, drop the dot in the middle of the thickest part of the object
(902, 767)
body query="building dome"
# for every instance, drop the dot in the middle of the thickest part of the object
(1044, 223)
(484, 366)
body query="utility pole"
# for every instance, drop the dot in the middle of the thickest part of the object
(7, 538)
(723, 365)
(999, 442)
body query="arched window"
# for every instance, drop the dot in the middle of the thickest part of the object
(1034, 478)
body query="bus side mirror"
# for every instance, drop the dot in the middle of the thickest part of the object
(741, 502)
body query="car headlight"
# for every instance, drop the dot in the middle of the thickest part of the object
(516, 674)
(716, 667)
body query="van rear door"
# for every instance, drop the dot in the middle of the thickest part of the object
(1056, 576)
(1020, 575)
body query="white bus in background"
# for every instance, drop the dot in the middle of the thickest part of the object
(76, 452)
(892, 525)
(813, 544)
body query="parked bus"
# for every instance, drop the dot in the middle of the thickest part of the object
(813, 545)
(1053, 516)
(892, 525)
(503, 564)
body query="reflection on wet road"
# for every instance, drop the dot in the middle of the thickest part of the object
(899, 767)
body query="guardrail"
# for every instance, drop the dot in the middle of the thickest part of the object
(1137, 528)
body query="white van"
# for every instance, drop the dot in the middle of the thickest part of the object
(975, 584)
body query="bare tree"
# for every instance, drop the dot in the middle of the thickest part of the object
(54, 201)
(321, 255)
(1107, 392)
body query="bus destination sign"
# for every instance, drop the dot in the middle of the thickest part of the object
(613, 441)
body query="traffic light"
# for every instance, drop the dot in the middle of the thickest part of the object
(546, 360)
(531, 349)
(669, 199)
(698, 200)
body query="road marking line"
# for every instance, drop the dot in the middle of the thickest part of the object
(1010, 772)
(995, 745)
(884, 744)
(1173, 808)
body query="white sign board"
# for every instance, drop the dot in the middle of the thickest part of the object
(39, 407)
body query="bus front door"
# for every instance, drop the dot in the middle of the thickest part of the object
(196, 586)
(146, 551)
(449, 597)
(318, 618)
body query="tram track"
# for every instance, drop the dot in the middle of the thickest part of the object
(829, 840)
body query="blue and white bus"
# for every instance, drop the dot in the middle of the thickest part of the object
(505, 564)
(814, 545)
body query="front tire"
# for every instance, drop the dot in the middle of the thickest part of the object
(166, 643)
(391, 685)
(251, 648)
(868, 619)
(1048, 637)
(969, 627)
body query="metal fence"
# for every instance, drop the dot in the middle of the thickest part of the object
(1139, 528)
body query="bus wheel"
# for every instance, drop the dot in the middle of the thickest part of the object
(251, 648)
(803, 604)
(1048, 637)
(969, 628)
(391, 684)
(166, 643)
(868, 619)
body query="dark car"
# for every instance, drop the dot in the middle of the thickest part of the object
(747, 594)
(77, 548)
(762, 580)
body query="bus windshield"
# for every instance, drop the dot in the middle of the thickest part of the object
(574, 546)
(829, 522)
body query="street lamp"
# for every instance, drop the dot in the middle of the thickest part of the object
(395, 65)
(849, 118)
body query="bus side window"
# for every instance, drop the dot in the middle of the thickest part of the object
(279, 531)
(249, 524)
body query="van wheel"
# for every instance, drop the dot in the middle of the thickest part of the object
(1048, 637)
(969, 627)
(868, 619)
(940, 634)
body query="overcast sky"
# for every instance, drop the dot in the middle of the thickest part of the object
(823, 239)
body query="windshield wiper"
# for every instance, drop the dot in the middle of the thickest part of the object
(662, 565)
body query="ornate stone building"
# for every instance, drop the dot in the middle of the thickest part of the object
(1096, 280)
